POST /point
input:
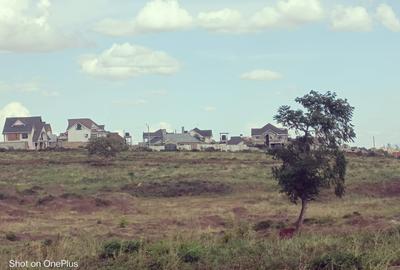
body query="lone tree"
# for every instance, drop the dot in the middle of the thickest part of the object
(313, 160)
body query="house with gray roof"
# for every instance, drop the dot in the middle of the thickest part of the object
(26, 133)
(269, 136)
(204, 135)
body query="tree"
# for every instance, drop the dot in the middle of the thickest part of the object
(313, 160)
(106, 147)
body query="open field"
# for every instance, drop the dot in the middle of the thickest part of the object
(191, 210)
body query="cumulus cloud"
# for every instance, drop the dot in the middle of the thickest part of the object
(124, 61)
(388, 18)
(155, 16)
(351, 18)
(288, 13)
(225, 20)
(25, 27)
(13, 109)
(261, 75)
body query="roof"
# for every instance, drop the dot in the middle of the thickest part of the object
(235, 140)
(47, 127)
(204, 133)
(180, 138)
(266, 128)
(175, 138)
(27, 124)
(159, 133)
(88, 123)
(38, 130)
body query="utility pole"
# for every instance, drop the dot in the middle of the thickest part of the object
(373, 141)
(148, 135)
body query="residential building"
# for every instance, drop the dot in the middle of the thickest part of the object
(83, 129)
(269, 136)
(202, 135)
(26, 133)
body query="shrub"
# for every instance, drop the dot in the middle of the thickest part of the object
(263, 225)
(190, 253)
(337, 261)
(11, 236)
(131, 246)
(111, 249)
(105, 147)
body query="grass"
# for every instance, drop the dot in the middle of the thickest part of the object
(191, 210)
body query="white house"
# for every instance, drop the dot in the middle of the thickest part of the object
(26, 133)
(83, 129)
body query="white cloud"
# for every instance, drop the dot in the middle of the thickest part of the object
(29, 87)
(288, 13)
(225, 20)
(261, 75)
(155, 16)
(25, 26)
(354, 19)
(388, 18)
(209, 109)
(124, 61)
(13, 109)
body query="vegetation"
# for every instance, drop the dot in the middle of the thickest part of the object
(313, 160)
(166, 225)
(105, 147)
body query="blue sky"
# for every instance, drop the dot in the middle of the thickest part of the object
(221, 65)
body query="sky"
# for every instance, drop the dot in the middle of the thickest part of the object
(221, 65)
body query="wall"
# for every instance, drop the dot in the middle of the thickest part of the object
(14, 145)
(79, 135)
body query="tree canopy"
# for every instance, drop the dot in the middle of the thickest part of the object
(313, 160)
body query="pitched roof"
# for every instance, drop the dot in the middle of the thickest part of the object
(180, 138)
(235, 140)
(159, 133)
(268, 127)
(204, 133)
(88, 123)
(47, 127)
(27, 124)
(38, 130)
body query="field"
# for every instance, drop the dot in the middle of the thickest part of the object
(191, 210)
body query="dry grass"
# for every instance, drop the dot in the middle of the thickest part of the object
(61, 195)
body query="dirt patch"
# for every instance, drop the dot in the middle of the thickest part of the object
(176, 188)
(382, 189)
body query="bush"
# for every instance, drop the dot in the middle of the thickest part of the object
(111, 249)
(11, 237)
(337, 261)
(131, 246)
(105, 147)
(190, 253)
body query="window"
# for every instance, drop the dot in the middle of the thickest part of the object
(24, 135)
(78, 127)
(86, 135)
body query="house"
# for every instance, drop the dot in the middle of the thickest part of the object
(202, 135)
(162, 140)
(149, 138)
(237, 143)
(83, 129)
(269, 136)
(27, 133)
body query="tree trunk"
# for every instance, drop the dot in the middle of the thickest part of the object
(300, 220)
